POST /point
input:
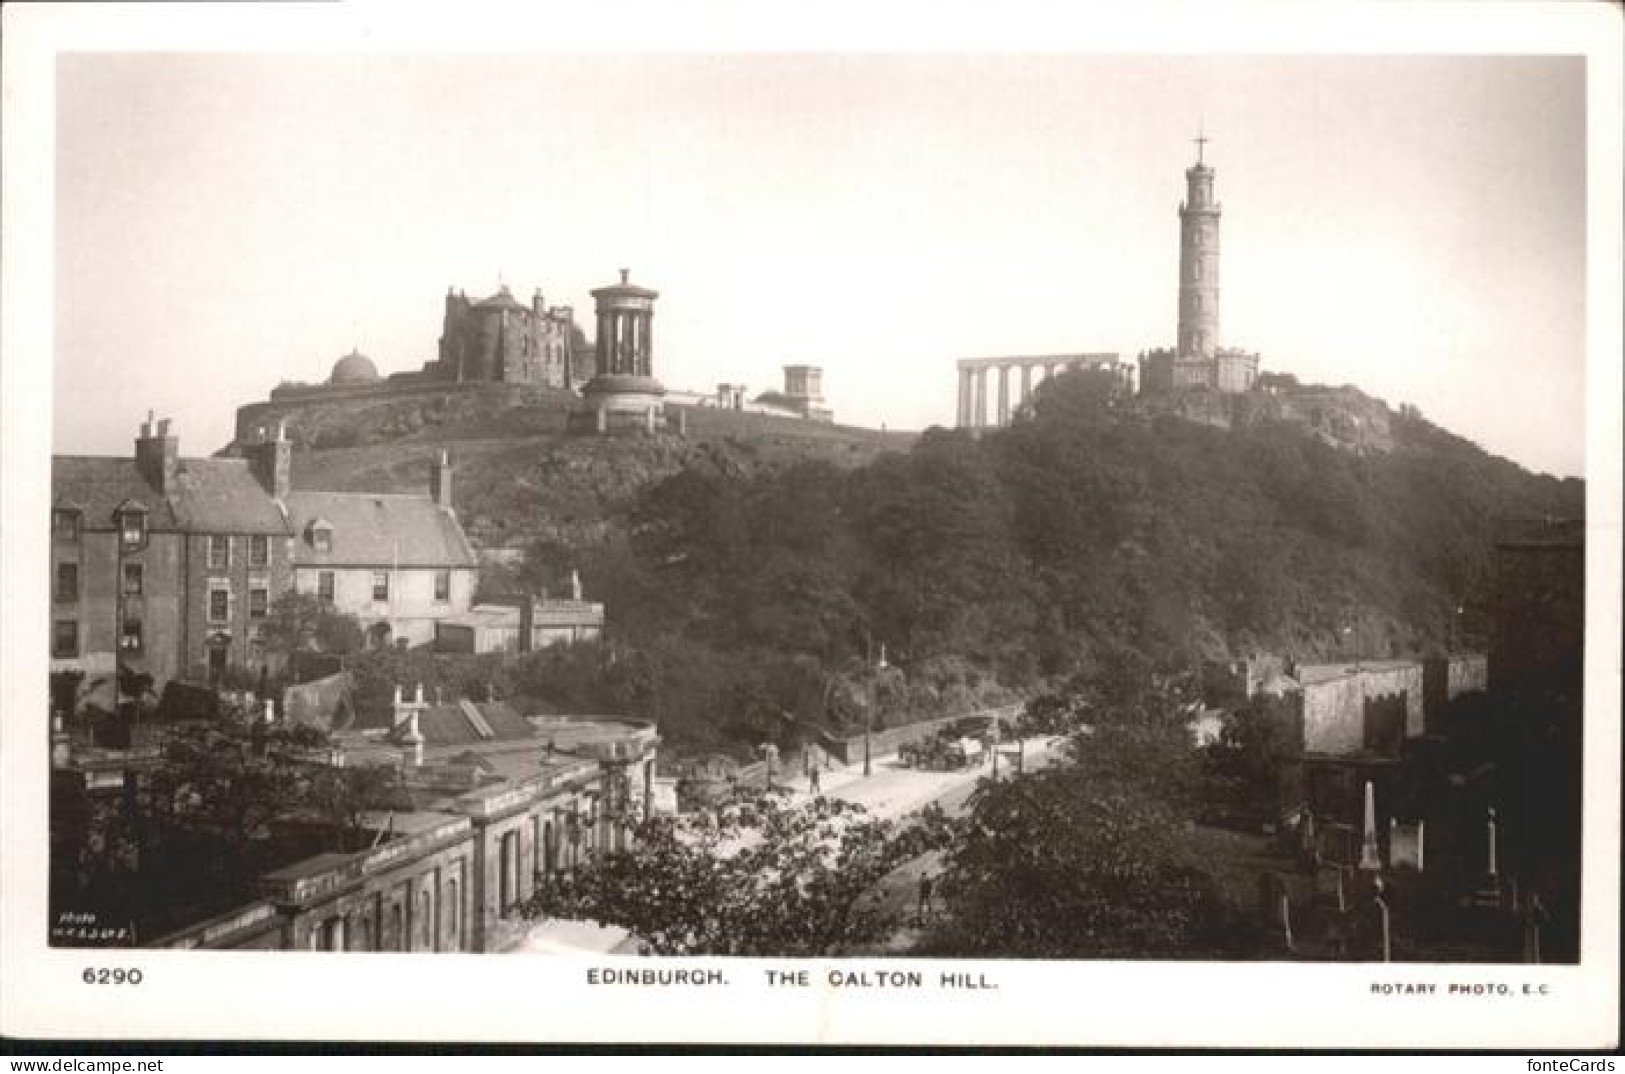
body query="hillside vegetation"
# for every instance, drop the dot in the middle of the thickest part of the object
(750, 587)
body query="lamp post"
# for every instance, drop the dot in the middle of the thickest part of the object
(869, 719)
(769, 753)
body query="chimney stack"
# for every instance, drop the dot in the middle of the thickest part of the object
(271, 462)
(157, 455)
(413, 739)
(527, 623)
(440, 480)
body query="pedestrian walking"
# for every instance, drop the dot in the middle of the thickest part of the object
(812, 781)
(925, 898)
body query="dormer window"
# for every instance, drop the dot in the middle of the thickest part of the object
(65, 524)
(132, 526)
(321, 536)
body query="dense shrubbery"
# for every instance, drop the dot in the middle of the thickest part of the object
(1087, 537)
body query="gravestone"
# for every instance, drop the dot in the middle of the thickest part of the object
(1406, 845)
(1331, 887)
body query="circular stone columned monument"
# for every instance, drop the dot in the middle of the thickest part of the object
(624, 394)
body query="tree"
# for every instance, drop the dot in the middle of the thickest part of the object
(756, 876)
(1086, 859)
(202, 825)
(303, 621)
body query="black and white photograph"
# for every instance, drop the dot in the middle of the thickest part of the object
(839, 538)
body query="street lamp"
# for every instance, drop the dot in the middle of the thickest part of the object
(869, 716)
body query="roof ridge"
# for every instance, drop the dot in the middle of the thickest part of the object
(366, 495)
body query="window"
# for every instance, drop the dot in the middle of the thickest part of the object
(453, 924)
(442, 586)
(130, 636)
(65, 525)
(219, 552)
(132, 528)
(133, 579)
(219, 605)
(380, 586)
(322, 540)
(259, 602)
(259, 550)
(67, 582)
(324, 586)
(65, 639)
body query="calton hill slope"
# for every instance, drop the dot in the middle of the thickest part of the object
(752, 572)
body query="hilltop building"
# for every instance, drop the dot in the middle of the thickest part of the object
(624, 394)
(802, 397)
(1035, 369)
(1198, 361)
(499, 339)
(499, 352)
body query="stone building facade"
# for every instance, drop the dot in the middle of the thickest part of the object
(1197, 360)
(501, 804)
(624, 394)
(802, 397)
(501, 339)
(167, 565)
(1012, 395)
(400, 563)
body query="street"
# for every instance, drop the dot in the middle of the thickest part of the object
(891, 791)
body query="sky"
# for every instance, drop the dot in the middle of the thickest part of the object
(1412, 225)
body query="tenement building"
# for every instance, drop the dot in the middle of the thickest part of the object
(163, 565)
(1198, 361)
(168, 566)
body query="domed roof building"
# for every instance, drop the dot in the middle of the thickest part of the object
(354, 368)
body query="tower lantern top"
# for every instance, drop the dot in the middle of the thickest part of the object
(1201, 141)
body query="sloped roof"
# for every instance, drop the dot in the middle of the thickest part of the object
(502, 300)
(378, 530)
(449, 725)
(223, 495)
(97, 485)
(210, 495)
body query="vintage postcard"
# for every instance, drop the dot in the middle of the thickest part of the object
(840, 526)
